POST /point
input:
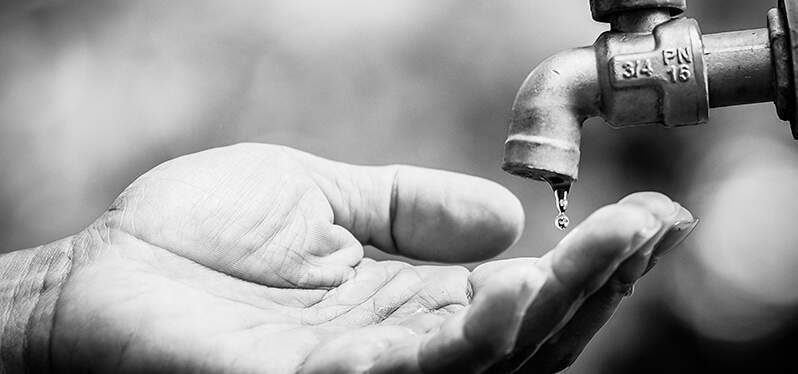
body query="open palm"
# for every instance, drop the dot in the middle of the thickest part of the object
(250, 259)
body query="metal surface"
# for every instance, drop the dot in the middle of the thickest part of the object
(649, 68)
(789, 16)
(780, 55)
(545, 130)
(654, 78)
(739, 67)
(639, 21)
(628, 79)
(603, 10)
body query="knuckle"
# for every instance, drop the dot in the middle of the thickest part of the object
(648, 195)
(626, 218)
(528, 279)
(657, 203)
(615, 226)
(458, 272)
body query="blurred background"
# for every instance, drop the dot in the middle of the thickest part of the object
(94, 93)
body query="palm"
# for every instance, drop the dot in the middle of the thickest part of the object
(250, 261)
(200, 318)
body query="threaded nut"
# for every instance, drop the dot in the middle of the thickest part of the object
(603, 10)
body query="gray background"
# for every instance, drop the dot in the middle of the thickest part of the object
(94, 93)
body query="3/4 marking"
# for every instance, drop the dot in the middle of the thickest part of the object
(676, 66)
(637, 68)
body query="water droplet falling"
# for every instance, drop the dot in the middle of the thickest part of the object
(561, 199)
(562, 221)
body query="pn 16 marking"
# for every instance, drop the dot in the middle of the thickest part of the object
(679, 62)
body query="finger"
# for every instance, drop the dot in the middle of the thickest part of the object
(561, 350)
(676, 220)
(474, 339)
(355, 351)
(680, 232)
(486, 272)
(421, 213)
(580, 265)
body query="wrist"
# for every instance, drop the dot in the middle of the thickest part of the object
(30, 284)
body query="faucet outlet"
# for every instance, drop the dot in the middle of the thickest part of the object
(652, 67)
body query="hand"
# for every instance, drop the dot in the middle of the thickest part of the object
(250, 259)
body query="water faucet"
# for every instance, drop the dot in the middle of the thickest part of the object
(652, 67)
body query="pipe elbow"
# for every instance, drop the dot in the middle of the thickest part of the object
(545, 129)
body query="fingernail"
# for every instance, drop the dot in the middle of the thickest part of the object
(677, 234)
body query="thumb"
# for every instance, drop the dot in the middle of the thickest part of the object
(420, 213)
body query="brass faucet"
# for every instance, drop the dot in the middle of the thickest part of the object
(652, 66)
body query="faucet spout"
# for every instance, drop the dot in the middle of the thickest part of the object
(545, 128)
(652, 66)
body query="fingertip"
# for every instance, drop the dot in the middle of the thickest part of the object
(508, 216)
(616, 226)
(450, 217)
(421, 213)
(660, 205)
(491, 216)
(587, 256)
(684, 216)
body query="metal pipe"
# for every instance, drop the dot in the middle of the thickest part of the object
(605, 10)
(545, 128)
(639, 21)
(739, 67)
(649, 68)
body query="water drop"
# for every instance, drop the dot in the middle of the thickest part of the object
(561, 190)
(562, 221)
(561, 198)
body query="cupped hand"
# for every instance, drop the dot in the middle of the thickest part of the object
(249, 259)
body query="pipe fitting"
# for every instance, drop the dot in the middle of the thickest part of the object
(605, 10)
(649, 68)
(783, 27)
(545, 129)
(654, 78)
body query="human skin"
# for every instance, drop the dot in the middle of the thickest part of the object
(249, 259)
